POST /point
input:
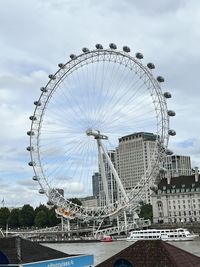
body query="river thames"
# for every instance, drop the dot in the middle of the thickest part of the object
(103, 251)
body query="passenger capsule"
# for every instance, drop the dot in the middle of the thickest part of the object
(61, 65)
(30, 133)
(112, 46)
(29, 148)
(99, 46)
(160, 79)
(126, 49)
(167, 95)
(169, 152)
(41, 191)
(172, 132)
(72, 56)
(52, 77)
(85, 50)
(43, 89)
(50, 203)
(33, 118)
(151, 65)
(139, 55)
(32, 163)
(171, 113)
(35, 178)
(37, 103)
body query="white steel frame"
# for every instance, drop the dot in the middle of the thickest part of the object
(160, 105)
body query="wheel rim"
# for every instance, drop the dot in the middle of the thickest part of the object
(95, 108)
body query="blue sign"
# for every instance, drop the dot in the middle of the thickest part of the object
(75, 261)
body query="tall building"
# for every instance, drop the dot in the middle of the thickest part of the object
(134, 156)
(95, 184)
(178, 165)
(112, 187)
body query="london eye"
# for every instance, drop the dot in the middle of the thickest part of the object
(90, 102)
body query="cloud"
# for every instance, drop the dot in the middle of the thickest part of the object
(38, 34)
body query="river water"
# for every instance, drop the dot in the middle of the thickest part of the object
(103, 251)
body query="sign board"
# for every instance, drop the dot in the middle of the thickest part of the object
(74, 261)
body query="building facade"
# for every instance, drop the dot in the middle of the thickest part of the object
(95, 184)
(178, 201)
(178, 165)
(91, 201)
(134, 156)
(112, 186)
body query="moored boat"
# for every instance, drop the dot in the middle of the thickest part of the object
(106, 239)
(179, 234)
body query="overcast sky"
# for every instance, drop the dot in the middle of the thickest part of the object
(35, 35)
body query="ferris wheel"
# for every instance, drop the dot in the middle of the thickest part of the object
(90, 102)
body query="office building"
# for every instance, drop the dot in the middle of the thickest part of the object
(95, 184)
(134, 156)
(112, 187)
(178, 165)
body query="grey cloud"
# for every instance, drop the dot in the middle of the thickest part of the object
(37, 34)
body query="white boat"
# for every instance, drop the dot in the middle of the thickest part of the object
(179, 234)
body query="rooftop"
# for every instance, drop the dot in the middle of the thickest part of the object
(154, 253)
(19, 251)
(178, 182)
(145, 135)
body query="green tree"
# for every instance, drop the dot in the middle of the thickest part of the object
(26, 216)
(41, 219)
(4, 214)
(53, 220)
(41, 207)
(146, 212)
(13, 219)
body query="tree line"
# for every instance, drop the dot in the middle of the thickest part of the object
(42, 216)
(27, 216)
